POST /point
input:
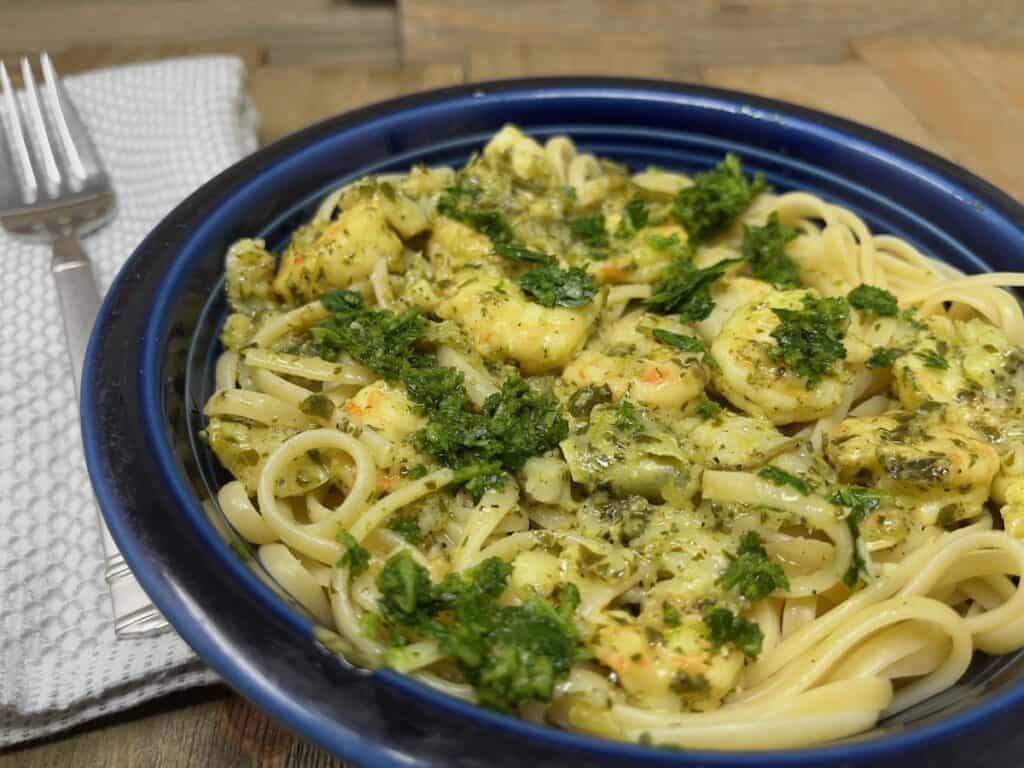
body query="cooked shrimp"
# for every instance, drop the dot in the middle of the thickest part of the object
(504, 325)
(756, 384)
(632, 362)
(666, 667)
(730, 293)
(940, 469)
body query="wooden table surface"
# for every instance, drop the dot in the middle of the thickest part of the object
(947, 75)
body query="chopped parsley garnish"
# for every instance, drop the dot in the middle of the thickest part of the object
(512, 425)
(521, 423)
(857, 565)
(872, 300)
(670, 616)
(548, 284)
(751, 573)
(726, 627)
(510, 654)
(781, 477)
(934, 468)
(551, 286)
(883, 357)
(668, 243)
(634, 217)
(715, 198)
(629, 418)
(380, 340)
(318, 405)
(679, 341)
(909, 316)
(408, 527)
(480, 477)
(764, 248)
(932, 359)
(860, 502)
(377, 628)
(708, 409)
(809, 341)
(590, 230)
(685, 290)
(434, 389)
(405, 590)
(490, 223)
(353, 556)
(585, 398)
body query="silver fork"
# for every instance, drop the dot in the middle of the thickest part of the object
(54, 189)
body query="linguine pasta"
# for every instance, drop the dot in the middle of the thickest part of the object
(674, 460)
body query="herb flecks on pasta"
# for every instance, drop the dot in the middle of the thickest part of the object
(614, 450)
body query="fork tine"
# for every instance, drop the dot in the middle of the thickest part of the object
(78, 134)
(16, 138)
(59, 103)
(40, 135)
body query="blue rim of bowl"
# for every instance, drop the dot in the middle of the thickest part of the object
(276, 702)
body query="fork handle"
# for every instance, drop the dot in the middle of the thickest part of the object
(79, 300)
(134, 614)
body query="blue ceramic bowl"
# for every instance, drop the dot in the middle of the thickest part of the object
(149, 369)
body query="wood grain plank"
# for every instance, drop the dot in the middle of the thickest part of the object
(299, 30)
(289, 98)
(1000, 67)
(526, 60)
(80, 58)
(852, 90)
(211, 727)
(953, 96)
(709, 32)
(959, 105)
(66, 3)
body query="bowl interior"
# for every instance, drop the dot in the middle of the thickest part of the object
(895, 189)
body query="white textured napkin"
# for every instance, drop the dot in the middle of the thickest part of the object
(162, 130)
